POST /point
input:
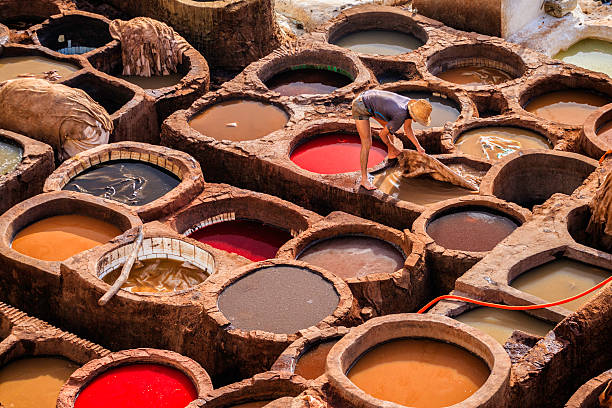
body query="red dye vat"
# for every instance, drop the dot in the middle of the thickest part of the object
(253, 240)
(335, 153)
(137, 386)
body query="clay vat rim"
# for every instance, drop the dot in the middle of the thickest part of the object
(287, 360)
(25, 50)
(56, 21)
(260, 384)
(589, 391)
(410, 27)
(82, 377)
(210, 101)
(464, 104)
(487, 186)
(577, 81)
(27, 207)
(591, 127)
(219, 283)
(507, 209)
(312, 132)
(506, 122)
(191, 181)
(99, 273)
(506, 49)
(411, 325)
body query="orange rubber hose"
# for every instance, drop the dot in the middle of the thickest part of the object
(526, 307)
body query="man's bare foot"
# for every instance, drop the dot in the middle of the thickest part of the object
(393, 153)
(368, 185)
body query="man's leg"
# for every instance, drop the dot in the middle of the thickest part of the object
(389, 140)
(365, 134)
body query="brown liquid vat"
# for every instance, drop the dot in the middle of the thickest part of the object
(446, 265)
(530, 177)
(383, 329)
(587, 396)
(232, 361)
(36, 286)
(382, 293)
(22, 50)
(80, 378)
(36, 164)
(176, 162)
(478, 55)
(286, 362)
(267, 386)
(594, 139)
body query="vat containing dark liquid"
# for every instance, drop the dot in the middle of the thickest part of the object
(34, 382)
(10, 156)
(301, 81)
(473, 75)
(444, 110)
(419, 373)
(379, 42)
(15, 67)
(354, 256)
(590, 53)
(500, 324)
(251, 239)
(420, 190)
(239, 120)
(561, 279)
(476, 230)
(311, 364)
(60, 237)
(335, 153)
(493, 143)
(153, 82)
(138, 385)
(570, 107)
(129, 182)
(159, 275)
(278, 299)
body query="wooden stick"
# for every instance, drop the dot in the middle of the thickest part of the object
(125, 271)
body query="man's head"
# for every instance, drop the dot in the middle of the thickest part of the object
(420, 111)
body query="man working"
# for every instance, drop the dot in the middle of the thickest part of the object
(391, 111)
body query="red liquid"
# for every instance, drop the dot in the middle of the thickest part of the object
(137, 386)
(335, 153)
(251, 239)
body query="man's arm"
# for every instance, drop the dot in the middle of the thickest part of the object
(410, 134)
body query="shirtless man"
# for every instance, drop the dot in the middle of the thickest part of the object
(391, 111)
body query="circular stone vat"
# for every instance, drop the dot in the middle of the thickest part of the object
(500, 323)
(476, 65)
(139, 377)
(10, 155)
(444, 110)
(379, 42)
(59, 237)
(417, 190)
(561, 279)
(577, 222)
(495, 142)
(588, 395)
(163, 269)
(251, 239)
(530, 178)
(597, 132)
(309, 80)
(34, 381)
(590, 53)
(354, 256)
(569, 106)
(279, 299)
(239, 120)
(130, 182)
(335, 153)
(34, 65)
(73, 33)
(153, 82)
(473, 229)
(418, 361)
